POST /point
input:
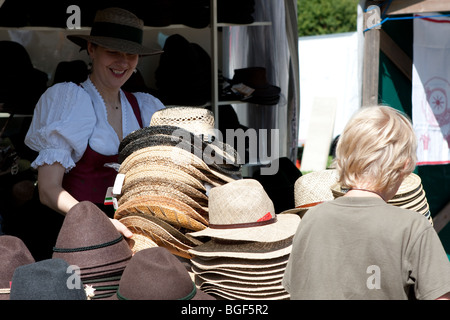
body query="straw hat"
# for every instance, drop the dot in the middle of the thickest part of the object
(161, 233)
(311, 189)
(155, 156)
(175, 212)
(199, 121)
(199, 204)
(250, 250)
(156, 274)
(169, 170)
(238, 264)
(116, 29)
(13, 253)
(221, 159)
(242, 210)
(410, 195)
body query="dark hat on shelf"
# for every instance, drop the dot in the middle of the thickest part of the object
(256, 79)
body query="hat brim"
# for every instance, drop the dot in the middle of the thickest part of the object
(252, 250)
(285, 227)
(114, 44)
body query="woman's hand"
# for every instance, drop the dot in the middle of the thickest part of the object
(121, 228)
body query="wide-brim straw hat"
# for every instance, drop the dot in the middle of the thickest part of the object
(89, 240)
(180, 155)
(312, 189)
(250, 250)
(162, 156)
(410, 195)
(156, 274)
(161, 233)
(242, 210)
(226, 294)
(239, 264)
(226, 160)
(170, 171)
(175, 212)
(253, 275)
(13, 253)
(146, 190)
(116, 29)
(149, 182)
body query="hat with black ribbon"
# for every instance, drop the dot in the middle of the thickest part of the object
(116, 29)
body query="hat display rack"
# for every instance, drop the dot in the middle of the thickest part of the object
(167, 170)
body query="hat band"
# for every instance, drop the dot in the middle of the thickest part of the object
(98, 246)
(309, 205)
(244, 225)
(191, 294)
(120, 31)
(188, 297)
(5, 290)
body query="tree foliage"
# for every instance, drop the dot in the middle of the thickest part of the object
(317, 17)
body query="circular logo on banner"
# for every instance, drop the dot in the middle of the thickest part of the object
(437, 110)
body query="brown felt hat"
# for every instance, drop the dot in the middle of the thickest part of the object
(89, 240)
(13, 253)
(156, 274)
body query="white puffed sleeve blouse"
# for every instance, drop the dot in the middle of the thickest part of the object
(67, 117)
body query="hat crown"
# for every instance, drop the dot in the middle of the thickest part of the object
(155, 274)
(119, 16)
(199, 121)
(87, 238)
(240, 201)
(314, 187)
(48, 280)
(13, 253)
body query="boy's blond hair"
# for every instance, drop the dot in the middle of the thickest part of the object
(377, 145)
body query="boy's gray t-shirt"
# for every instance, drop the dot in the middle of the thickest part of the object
(363, 248)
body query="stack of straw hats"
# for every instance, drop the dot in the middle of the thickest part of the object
(246, 245)
(168, 169)
(87, 239)
(410, 195)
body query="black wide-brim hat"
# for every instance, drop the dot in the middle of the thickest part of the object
(116, 29)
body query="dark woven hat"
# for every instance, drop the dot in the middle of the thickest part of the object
(90, 241)
(117, 29)
(156, 274)
(216, 154)
(49, 279)
(13, 254)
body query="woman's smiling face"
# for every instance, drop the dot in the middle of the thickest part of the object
(111, 68)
